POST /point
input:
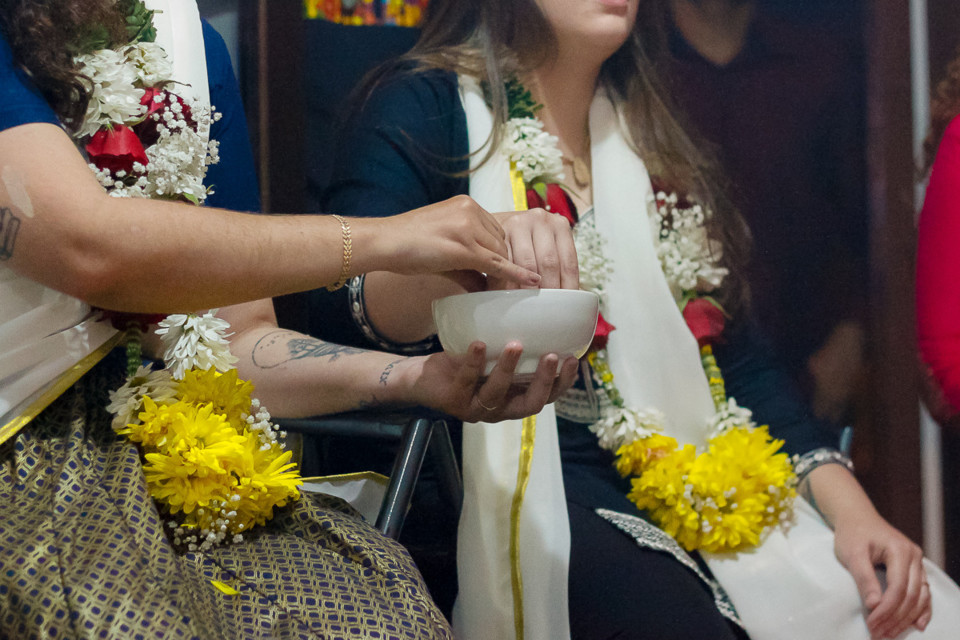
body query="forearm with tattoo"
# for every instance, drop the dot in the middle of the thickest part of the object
(279, 347)
(385, 374)
(9, 227)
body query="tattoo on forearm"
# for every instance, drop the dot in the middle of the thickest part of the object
(298, 347)
(385, 374)
(9, 227)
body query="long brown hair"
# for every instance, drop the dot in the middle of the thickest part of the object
(43, 35)
(495, 39)
(945, 107)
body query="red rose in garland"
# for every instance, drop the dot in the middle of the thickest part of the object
(116, 149)
(705, 319)
(554, 199)
(148, 129)
(121, 320)
(601, 334)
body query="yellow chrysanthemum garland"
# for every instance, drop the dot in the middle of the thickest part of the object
(723, 497)
(213, 460)
(728, 495)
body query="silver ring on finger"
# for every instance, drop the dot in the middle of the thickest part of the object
(485, 407)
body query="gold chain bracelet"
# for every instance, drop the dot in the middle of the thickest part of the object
(347, 253)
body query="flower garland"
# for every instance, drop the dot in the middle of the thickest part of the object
(722, 497)
(213, 460)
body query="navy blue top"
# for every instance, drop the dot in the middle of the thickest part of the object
(399, 152)
(234, 179)
(20, 102)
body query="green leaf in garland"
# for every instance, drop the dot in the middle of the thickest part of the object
(139, 21)
(541, 188)
(139, 27)
(520, 101)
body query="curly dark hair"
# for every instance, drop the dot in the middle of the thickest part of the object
(945, 107)
(43, 35)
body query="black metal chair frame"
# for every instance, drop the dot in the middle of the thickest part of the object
(421, 433)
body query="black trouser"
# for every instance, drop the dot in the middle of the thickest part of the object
(623, 591)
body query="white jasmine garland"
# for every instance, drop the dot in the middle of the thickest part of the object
(533, 151)
(623, 425)
(127, 401)
(178, 160)
(151, 63)
(728, 416)
(595, 267)
(687, 255)
(194, 341)
(114, 93)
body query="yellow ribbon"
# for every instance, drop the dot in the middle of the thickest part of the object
(57, 388)
(527, 436)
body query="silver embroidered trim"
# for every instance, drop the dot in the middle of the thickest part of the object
(358, 310)
(582, 405)
(652, 537)
(803, 465)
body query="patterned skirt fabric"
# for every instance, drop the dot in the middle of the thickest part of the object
(83, 554)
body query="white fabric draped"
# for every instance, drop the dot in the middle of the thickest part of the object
(491, 454)
(43, 332)
(180, 34)
(790, 588)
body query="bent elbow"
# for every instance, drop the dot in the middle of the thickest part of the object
(96, 277)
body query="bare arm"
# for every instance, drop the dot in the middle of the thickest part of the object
(60, 229)
(296, 375)
(865, 541)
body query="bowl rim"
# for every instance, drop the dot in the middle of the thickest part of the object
(517, 292)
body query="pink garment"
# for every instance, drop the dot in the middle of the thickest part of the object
(938, 269)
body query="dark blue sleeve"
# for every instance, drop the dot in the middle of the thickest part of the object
(234, 178)
(20, 102)
(755, 379)
(401, 150)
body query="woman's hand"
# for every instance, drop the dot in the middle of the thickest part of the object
(863, 542)
(456, 385)
(542, 242)
(456, 234)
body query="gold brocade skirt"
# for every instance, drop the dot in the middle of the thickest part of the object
(84, 554)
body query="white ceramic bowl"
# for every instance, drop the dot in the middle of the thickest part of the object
(560, 321)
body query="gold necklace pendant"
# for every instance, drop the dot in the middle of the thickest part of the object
(581, 172)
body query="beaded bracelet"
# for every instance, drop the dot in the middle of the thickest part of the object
(347, 254)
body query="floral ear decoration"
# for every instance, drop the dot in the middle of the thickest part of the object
(728, 494)
(213, 460)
